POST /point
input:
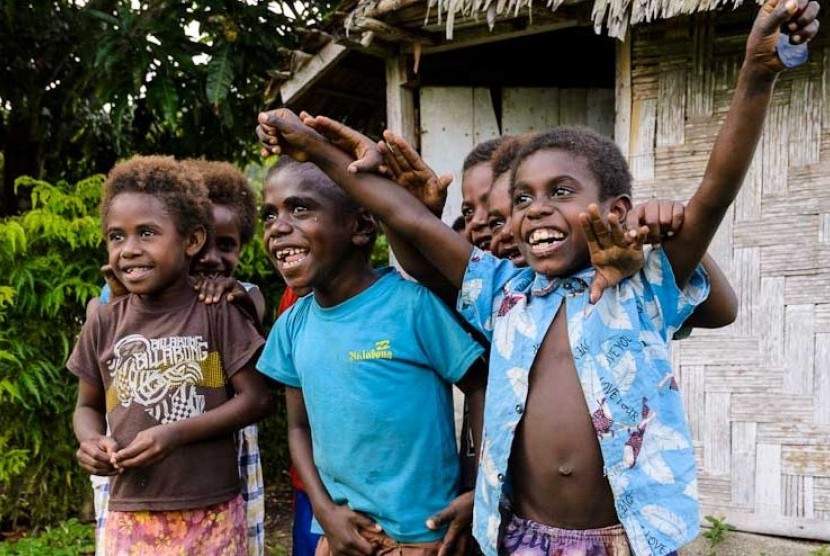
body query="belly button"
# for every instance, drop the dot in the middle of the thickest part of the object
(565, 469)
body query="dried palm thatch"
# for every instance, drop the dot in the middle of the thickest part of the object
(614, 15)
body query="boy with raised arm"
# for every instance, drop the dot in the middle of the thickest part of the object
(584, 430)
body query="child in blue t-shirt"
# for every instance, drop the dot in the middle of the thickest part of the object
(368, 361)
(585, 444)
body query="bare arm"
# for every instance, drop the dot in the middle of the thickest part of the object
(721, 307)
(341, 525)
(96, 448)
(735, 144)
(398, 209)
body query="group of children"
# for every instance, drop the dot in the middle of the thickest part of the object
(578, 426)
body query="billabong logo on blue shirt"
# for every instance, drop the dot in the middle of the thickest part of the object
(382, 350)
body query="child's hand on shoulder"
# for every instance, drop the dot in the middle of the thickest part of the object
(149, 446)
(342, 527)
(212, 288)
(615, 253)
(117, 289)
(95, 454)
(457, 517)
(663, 219)
(410, 171)
(798, 17)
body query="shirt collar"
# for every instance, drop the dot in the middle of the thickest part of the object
(572, 285)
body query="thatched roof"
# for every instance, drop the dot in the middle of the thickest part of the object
(613, 16)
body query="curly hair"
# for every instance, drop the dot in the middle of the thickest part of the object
(482, 152)
(227, 186)
(603, 156)
(180, 189)
(504, 156)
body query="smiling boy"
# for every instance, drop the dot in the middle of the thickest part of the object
(367, 361)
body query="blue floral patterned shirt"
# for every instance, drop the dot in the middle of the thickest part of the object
(620, 349)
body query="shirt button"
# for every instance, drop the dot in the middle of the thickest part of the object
(500, 477)
(520, 408)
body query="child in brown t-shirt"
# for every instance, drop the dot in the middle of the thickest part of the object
(172, 375)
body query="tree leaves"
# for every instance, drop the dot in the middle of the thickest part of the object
(219, 78)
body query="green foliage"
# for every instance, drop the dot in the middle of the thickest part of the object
(83, 84)
(717, 532)
(821, 551)
(68, 538)
(49, 260)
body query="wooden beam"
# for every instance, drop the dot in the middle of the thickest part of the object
(303, 79)
(391, 33)
(504, 30)
(622, 120)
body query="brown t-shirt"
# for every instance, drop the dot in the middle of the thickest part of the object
(160, 365)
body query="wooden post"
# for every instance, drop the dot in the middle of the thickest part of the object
(400, 101)
(622, 122)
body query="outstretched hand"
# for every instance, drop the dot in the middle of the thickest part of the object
(798, 17)
(410, 171)
(663, 219)
(282, 132)
(366, 153)
(457, 517)
(615, 253)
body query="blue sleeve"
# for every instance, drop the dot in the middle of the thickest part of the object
(481, 289)
(668, 305)
(450, 349)
(105, 294)
(277, 360)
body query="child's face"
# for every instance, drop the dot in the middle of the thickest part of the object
(552, 187)
(146, 251)
(475, 187)
(221, 255)
(502, 245)
(307, 236)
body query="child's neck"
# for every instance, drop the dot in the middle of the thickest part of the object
(348, 282)
(171, 296)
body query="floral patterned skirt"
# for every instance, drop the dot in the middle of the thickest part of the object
(220, 529)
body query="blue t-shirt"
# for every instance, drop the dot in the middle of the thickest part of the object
(375, 372)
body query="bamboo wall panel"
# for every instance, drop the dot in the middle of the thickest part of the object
(757, 392)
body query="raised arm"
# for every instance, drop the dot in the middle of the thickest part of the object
(395, 206)
(736, 141)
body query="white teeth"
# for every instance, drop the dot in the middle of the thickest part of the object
(544, 235)
(291, 256)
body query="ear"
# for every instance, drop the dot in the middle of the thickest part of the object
(619, 205)
(195, 240)
(365, 228)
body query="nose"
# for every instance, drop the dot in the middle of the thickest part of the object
(210, 258)
(130, 248)
(279, 226)
(479, 219)
(539, 208)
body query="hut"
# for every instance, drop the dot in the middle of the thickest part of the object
(657, 76)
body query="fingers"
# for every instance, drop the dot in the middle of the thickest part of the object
(596, 232)
(454, 540)
(598, 285)
(363, 522)
(93, 459)
(445, 181)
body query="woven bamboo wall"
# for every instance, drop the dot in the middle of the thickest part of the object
(758, 391)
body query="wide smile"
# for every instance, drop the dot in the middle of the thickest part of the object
(544, 241)
(134, 273)
(290, 257)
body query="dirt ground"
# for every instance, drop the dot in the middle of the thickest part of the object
(278, 518)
